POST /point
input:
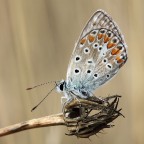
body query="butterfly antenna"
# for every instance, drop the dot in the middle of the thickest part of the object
(41, 85)
(43, 98)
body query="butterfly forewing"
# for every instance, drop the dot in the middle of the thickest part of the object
(98, 54)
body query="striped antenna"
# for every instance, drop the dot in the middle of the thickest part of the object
(41, 85)
(43, 98)
(46, 95)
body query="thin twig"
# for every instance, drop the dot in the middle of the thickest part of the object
(52, 120)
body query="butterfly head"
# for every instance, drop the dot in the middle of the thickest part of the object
(61, 86)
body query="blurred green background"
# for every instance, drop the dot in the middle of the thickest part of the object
(36, 40)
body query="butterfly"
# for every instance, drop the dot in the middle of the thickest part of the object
(98, 55)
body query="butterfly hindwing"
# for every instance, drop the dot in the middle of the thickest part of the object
(98, 54)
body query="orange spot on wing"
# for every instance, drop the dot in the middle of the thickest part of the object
(115, 51)
(110, 45)
(83, 41)
(91, 38)
(124, 61)
(119, 60)
(100, 36)
(106, 38)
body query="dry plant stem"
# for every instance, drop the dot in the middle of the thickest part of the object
(76, 117)
(52, 120)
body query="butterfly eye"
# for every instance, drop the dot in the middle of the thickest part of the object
(109, 66)
(61, 87)
(95, 45)
(86, 50)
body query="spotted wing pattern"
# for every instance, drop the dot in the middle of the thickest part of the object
(98, 55)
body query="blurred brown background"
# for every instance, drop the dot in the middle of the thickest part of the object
(36, 40)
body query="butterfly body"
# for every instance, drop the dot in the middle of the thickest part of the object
(98, 55)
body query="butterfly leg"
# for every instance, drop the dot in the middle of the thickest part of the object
(63, 100)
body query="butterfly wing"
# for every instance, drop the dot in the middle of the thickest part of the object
(98, 54)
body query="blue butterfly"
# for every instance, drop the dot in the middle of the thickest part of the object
(98, 55)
